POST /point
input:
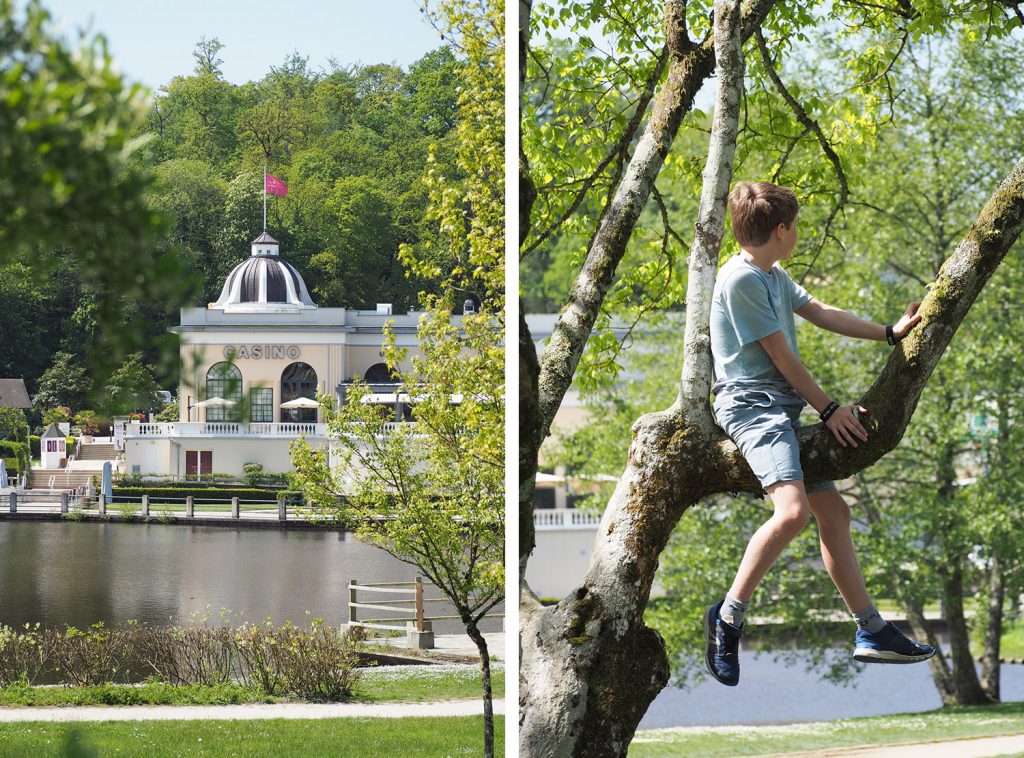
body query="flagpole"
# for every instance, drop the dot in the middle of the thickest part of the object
(264, 198)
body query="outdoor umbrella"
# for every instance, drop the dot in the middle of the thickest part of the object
(218, 402)
(301, 402)
(214, 402)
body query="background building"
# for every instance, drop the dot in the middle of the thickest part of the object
(252, 365)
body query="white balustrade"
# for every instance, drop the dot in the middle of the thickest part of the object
(565, 518)
(225, 429)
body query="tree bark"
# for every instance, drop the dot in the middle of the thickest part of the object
(485, 670)
(691, 65)
(966, 688)
(990, 663)
(558, 715)
(590, 667)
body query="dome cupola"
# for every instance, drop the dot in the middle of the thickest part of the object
(264, 282)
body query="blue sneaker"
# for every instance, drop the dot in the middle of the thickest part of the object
(722, 645)
(889, 645)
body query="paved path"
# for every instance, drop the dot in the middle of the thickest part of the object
(248, 712)
(452, 644)
(980, 747)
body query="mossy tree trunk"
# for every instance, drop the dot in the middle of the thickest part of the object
(590, 666)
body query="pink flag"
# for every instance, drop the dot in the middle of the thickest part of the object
(275, 186)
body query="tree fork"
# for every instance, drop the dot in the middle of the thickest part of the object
(594, 642)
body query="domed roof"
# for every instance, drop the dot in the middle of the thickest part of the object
(264, 282)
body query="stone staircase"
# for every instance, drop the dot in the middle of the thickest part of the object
(63, 479)
(96, 451)
(79, 473)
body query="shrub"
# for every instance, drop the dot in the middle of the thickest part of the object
(16, 450)
(157, 494)
(319, 663)
(188, 655)
(91, 656)
(24, 656)
(34, 445)
(253, 473)
(260, 657)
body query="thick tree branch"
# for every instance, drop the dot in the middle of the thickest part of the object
(695, 383)
(618, 149)
(590, 666)
(689, 68)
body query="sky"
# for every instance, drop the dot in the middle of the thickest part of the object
(151, 41)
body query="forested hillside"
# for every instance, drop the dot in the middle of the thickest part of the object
(353, 143)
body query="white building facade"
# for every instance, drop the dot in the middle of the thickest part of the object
(253, 362)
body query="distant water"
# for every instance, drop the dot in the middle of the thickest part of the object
(60, 573)
(772, 693)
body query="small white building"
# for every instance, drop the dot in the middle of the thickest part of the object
(53, 451)
(250, 358)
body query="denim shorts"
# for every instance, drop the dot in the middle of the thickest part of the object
(763, 425)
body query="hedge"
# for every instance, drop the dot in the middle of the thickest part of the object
(208, 493)
(16, 450)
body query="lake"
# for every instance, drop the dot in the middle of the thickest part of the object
(771, 693)
(79, 573)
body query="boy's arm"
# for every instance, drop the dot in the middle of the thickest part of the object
(842, 423)
(842, 322)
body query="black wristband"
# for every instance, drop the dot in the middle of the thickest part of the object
(826, 414)
(890, 336)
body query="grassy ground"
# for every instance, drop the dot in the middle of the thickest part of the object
(352, 738)
(392, 684)
(1010, 646)
(947, 724)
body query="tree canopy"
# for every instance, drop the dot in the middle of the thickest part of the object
(615, 154)
(121, 205)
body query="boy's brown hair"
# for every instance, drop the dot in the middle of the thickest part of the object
(757, 208)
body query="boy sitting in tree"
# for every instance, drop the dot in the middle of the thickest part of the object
(760, 388)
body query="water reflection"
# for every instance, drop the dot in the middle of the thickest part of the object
(80, 573)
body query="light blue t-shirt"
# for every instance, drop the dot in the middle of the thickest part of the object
(749, 304)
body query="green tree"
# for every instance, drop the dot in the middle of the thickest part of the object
(440, 484)
(598, 171)
(68, 177)
(12, 423)
(66, 382)
(130, 388)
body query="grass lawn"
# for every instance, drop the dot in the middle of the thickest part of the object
(1010, 646)
(420, 683)
(352, 738)
(391, 684)
(946, 724)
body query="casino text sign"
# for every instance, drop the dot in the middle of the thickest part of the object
(276, 352)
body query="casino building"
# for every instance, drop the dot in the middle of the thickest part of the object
(253, 362)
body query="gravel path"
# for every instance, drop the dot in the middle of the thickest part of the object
(249, 711)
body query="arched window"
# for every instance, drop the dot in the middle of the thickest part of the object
(298, 380)
(379, 373)
(224, 381)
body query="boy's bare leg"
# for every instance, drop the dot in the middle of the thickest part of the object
(833, 516)
(792, 512)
